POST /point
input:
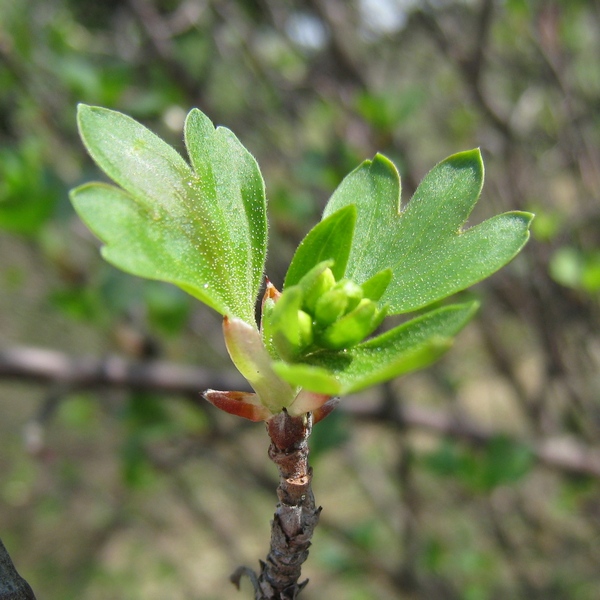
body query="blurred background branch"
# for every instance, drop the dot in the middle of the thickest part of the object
(71, 374)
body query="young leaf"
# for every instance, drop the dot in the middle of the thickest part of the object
(330, 239)
(406, 348)
(248, 353)
(202, 228)
(430, 256)
(374, 287)
(285, 325)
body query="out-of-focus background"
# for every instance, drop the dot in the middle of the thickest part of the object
(477, 479)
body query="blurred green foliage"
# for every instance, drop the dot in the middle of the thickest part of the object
(501, 462)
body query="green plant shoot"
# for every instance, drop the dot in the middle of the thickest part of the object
(202, 226)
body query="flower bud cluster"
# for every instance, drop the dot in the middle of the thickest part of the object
(321, 313)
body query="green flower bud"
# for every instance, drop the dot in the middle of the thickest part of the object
(283, 324)
(353, 292)
(353, 327)
(322, 284)
(305, 329)
(330, 306)
(320, 312)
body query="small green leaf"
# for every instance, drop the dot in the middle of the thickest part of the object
(430, 256)
(248, 353)
(406, 348)
(310, 377)
(285, 326)
(374, 287)
(202, 228)
(330, 239)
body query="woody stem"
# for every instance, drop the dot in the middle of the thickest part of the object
(296, 515)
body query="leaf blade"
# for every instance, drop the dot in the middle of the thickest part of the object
(374, 187)
(427, 233)
(222, 227)
(331, 239)
(406, 348)
(144, 251)
(239, 193)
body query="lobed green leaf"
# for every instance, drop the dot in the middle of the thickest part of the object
(202, 227)
(430, 255)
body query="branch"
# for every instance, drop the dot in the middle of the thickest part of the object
(296, 516)
(469, 66)
(12, 585)
(49, 366)
(36, 365)
(561, 453)
(342, 42)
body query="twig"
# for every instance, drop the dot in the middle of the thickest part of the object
(469, 65)
(159, 34)
(296, 516)
(12, 585)
(48, 366)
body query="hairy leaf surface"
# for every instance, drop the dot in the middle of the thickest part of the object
(202, 227)
(425, 246)
(331, 239)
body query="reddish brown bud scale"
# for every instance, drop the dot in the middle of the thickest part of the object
(240, 404)
(327, 407)
(271, 292)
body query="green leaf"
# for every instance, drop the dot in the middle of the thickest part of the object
(431, 257)
(406, 348)
(285, 326)
(310, 377)
(248, 353)
(202, 228)
(331, 239)
(374, 287)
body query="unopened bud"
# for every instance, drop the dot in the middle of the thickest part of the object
(352, 291)
(305, 328)
(330, 307)
(322, 284)
(353, 327)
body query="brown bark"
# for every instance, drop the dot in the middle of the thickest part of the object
(12, 585)
(296, 515)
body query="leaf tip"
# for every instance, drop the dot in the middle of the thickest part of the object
(85, 109)
(526, 217)
(381, 159)
(467, 158)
